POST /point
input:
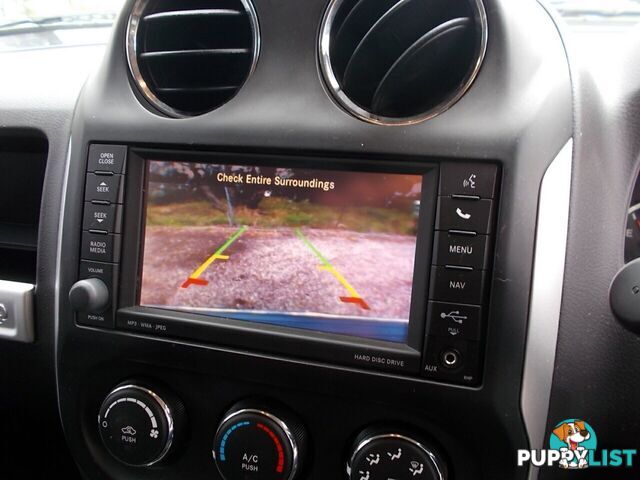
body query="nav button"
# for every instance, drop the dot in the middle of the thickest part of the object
(457, 285)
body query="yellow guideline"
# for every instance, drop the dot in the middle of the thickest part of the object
(218, 255)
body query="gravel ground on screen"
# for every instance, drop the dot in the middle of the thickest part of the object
(274, 270)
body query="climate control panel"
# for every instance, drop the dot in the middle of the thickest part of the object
(140, 424)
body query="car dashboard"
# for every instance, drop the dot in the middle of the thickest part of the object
(316, 240)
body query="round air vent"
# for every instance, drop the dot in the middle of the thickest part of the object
(401, 61)
(189, 57)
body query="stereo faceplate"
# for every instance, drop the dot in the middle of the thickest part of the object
(450, 281)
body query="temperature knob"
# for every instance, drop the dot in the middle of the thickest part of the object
(137, 425)
(382, 455)
(252, 443)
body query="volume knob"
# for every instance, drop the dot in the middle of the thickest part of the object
(90, 295)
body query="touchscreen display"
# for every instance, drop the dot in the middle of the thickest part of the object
(329, 251)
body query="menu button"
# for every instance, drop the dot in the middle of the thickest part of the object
(461, 250)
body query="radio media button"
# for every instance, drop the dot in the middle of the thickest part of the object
(468, 179)
(107, 158)
(457, 286)
(107, 218)
(453, 320)
(451, 360)
(461, 250)
(100, 247)
(105, 188)
(465, 214)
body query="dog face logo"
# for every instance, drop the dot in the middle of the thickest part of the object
(572, 433)
(574, 439)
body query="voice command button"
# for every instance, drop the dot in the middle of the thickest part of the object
(474, 179)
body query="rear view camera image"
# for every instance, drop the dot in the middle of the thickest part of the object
(328, 251)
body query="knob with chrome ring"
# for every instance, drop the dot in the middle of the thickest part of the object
(138, 424)
(381, 454)
(258, 443)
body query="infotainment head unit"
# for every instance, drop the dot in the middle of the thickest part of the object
(325, 250)
(374, 263)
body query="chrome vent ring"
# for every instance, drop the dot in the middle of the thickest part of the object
(400, 62)
(190, 57)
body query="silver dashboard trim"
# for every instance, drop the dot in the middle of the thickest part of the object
(546, 296)
(17, 311)
(186, 13)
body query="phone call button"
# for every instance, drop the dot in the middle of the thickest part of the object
(465, 214)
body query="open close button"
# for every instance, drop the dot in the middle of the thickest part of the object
(107, 158)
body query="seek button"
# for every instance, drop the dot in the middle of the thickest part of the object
(107, 218)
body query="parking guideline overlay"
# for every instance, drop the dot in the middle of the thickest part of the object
(354, 297)
(194, 278)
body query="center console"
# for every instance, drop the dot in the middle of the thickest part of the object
(375, 265)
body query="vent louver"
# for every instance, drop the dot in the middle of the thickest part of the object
(401, 61)
(189, 57)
